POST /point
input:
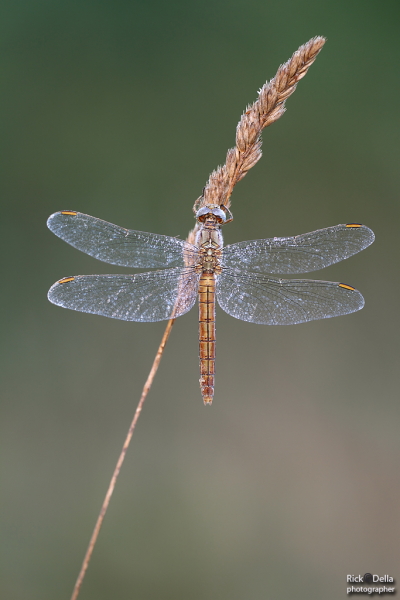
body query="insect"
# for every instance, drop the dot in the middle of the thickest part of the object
(236, 275)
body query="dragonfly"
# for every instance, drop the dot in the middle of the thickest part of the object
(237, 276)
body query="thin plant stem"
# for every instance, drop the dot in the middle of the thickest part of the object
(269, 107)
(103, 510)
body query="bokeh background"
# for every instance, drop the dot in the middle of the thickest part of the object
(290, 481)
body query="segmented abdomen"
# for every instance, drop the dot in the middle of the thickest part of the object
(207, 335)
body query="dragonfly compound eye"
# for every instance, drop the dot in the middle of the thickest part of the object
(202, 213)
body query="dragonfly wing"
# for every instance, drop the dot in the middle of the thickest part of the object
(258, 299)
(118, 246)
(152, 296)
(301, 253)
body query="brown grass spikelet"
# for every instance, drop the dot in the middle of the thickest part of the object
(268, 108)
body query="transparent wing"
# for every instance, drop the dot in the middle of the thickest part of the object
(301, 253)
(258, 299)
(152, 296)
(119, 246)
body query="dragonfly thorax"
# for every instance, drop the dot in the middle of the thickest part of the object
(209, 242)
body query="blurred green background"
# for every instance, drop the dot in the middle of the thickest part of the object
(290, 481)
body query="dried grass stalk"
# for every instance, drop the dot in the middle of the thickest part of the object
(266, 109)
(269, 106)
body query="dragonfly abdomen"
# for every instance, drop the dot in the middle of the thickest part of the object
(207, 335)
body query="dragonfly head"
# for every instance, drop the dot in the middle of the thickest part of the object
(211, 212)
